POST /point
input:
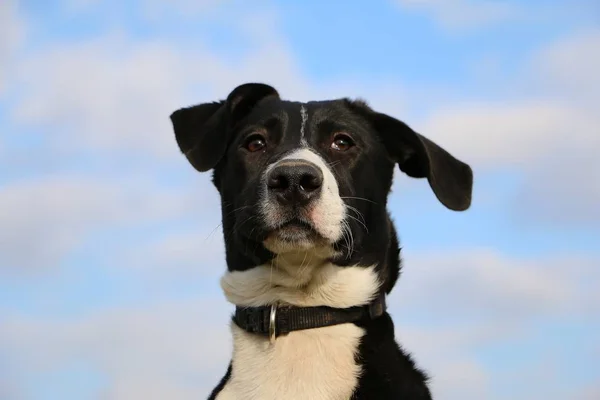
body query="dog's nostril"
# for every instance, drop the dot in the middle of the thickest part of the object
(310, 182)
(278, 182)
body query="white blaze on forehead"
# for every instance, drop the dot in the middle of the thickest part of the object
(304, 118)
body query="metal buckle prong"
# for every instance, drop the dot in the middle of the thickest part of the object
(272, 320)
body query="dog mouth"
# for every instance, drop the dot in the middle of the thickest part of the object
(296, 230)
(296, 223)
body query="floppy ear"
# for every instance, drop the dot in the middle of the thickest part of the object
(203, 131)
(450, 179)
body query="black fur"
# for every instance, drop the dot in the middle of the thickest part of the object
(221, 385)
(212, 136)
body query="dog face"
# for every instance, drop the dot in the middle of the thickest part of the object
(298, 177)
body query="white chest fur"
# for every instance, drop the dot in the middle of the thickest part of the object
(316, 364)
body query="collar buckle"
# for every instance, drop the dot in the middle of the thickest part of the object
(273, 323)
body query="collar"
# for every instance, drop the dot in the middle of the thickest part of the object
(275, 320)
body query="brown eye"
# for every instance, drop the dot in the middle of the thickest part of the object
(341, 142)
(255, 143)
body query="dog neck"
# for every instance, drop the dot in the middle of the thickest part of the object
(304, 279)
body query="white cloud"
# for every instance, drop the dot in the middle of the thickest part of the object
(104, 93)
(562, 192)
(570, 67)
(460, 379)
(175, 348)
(461, 14)
(43, 219)
(508, 291)
(178, 256)
(511, 134)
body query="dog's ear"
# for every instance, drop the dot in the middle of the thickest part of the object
(202, 131)
(450, 179)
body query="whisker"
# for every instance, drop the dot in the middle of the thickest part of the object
(360, 222)
(358, 213)
(349, 238)
(357, 198)
(361, 219)
(212, 232)
(237, 209)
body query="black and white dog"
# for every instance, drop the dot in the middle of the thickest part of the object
(311, 249)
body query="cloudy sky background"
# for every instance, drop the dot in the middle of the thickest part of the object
(110, 245)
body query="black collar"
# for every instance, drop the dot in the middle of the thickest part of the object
(274, 320)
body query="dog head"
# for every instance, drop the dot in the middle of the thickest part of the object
(310, 176)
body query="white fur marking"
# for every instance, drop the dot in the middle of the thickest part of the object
(313, 284)
(304, 116)
(314, 364)
(330, 210)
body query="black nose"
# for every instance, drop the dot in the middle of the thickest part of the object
(295, 182)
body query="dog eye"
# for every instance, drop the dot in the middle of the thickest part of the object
(255, 143)
(342, 142)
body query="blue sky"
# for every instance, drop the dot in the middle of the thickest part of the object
(110, 245)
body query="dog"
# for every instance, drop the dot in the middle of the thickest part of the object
(311, 249)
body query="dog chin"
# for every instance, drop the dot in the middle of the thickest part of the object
(291, 239)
